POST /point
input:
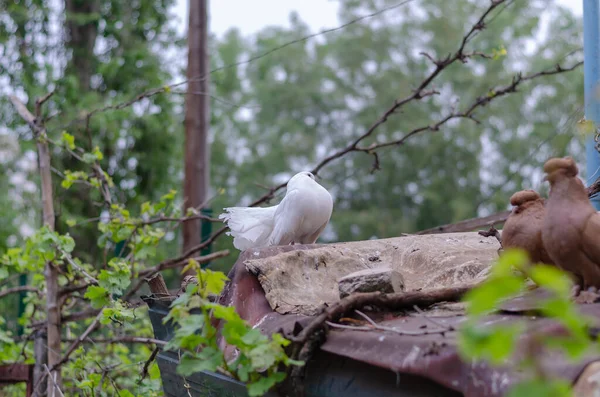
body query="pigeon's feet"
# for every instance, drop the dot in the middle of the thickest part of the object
(590, 295)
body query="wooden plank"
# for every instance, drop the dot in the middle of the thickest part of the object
(469, 224)
(17, 373)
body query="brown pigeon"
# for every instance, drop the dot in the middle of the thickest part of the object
(571, 232)
(523, 228)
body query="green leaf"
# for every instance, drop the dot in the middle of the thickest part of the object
(510, 260)
(254, 337)
(209, 359)
(493, 343)
(169, 196)
(541, 387)
(97, 153)
(192, 265)
(67, 140)
(98, 296)
(145, 252)
(264, 384)
(214, 282)
(190, 325)
(123, 234)
(117, 278)
(263, 356)
(85, 383)
(71, 222)
(146, 207)
(89, 158)
(486, 297)
(551, 278)
(573, 346)
(226, 313)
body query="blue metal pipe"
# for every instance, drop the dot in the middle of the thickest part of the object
(591, 70)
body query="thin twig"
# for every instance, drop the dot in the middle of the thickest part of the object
(442, 330)
(180, 261)
(432, 320)
(492, 232)
(53, 377)
(122, 339)
(147, 365)
(79, 268)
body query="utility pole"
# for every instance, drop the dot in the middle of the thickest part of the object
(197, 119)
(591, 76)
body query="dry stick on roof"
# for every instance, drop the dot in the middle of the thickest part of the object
(311, 337)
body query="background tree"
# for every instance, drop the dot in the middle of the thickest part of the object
(306, 100)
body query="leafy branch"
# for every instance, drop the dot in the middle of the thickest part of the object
(500, 343)
(259, 355)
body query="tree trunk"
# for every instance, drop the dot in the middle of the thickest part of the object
(196, 120)
(50, 272)
(81, 38)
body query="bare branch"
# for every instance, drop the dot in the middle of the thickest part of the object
(78, 341)
(22, 288)
(171, 263)
(79, 268)
(122, 339)
(78, 316)
(168, 88)
(53, 379)
(147, 365)
(74, 288)
(71, 349)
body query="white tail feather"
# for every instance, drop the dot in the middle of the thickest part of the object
(250, 227)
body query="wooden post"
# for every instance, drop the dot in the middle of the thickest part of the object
(197, 119)
(157, 285)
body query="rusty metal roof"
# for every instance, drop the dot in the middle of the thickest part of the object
(432, 356)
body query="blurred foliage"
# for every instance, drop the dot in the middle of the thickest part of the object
(498, 344)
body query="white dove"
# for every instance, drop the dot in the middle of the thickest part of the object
(298, 219)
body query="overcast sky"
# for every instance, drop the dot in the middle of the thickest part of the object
(252, 15)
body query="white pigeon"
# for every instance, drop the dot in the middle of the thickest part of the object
(298, 219)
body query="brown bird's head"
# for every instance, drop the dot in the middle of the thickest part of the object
(559, 168)
(520, 200)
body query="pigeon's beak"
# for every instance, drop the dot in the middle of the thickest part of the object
(545, 178)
